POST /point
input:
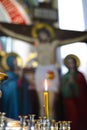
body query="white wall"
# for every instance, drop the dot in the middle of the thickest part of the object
(71, 18)
(84, 2)
(71, 14)
(22, 48)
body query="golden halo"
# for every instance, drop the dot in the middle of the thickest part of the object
(71, 56)
(2, 53)
(40, 26)
(4, 60)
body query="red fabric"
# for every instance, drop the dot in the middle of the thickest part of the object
(71, 113)
(82, 100)
(19, 83)
(76, 109)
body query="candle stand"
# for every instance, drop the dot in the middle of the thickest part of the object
(28, 122)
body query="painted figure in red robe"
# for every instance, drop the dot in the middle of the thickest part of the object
(74, 88)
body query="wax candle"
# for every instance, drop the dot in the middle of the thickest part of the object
(46, 100)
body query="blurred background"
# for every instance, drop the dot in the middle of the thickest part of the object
(71, 15)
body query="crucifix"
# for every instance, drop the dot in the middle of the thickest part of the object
(45, 38)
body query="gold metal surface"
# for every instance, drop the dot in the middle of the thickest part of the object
(3, 76)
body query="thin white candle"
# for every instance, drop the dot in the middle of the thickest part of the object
(46, 99)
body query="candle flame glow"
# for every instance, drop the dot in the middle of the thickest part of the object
(46, 86)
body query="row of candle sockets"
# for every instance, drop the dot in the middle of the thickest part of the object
(42, 123)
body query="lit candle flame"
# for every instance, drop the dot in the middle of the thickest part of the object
(46, 99)
(46, 86)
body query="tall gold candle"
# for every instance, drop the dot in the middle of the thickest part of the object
(46, 100)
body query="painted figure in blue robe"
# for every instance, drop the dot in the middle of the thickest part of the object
(24, 102)
(9, 98)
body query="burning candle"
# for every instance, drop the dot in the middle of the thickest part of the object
(46, 100)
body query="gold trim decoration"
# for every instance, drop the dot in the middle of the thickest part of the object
(3, 76)
(30, 58)
(71, 56)
(4, 60)
(2, 53)
(40, 26)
